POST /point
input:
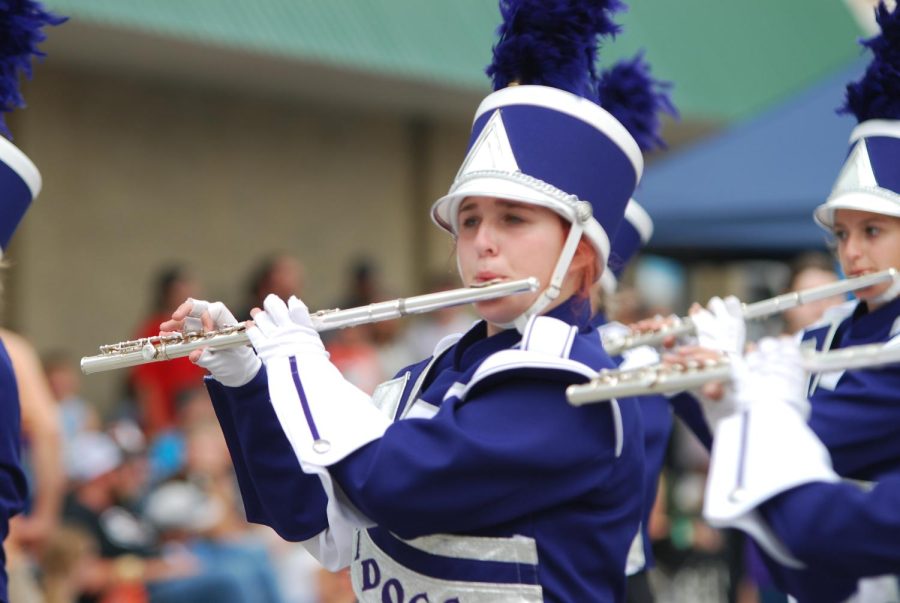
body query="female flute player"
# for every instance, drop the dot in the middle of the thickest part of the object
(854, 413)
(468, 477)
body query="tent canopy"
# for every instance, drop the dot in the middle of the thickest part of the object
(753, 188)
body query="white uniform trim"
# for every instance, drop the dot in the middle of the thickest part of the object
(421, 410)
(640, 219)
(758, 454)
(546, 335)
(392, 576)
(442, 346)
(518, 359)
(518, 549)
(833, 317)
(546, 344)
(12, 156)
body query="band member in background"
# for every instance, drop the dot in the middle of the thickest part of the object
(468, 476)
(20, 25)
(854, 413)
(637, 100)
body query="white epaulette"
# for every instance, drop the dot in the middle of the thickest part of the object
(546, 344)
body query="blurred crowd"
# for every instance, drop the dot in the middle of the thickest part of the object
(138, 501)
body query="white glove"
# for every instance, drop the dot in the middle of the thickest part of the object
(720, 326)
(772, 374)
(282, 331)
(231, 367)
(323, 415)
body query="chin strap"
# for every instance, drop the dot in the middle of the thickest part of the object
(583, 213)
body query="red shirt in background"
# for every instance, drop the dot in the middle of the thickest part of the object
(157, 384)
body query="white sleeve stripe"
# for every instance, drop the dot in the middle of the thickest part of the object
(617, 422)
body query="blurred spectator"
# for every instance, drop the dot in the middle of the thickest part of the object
(199, 510)
(810, 270)
(281, 274)
(353, 351)
(156, 385)
(105, 486)
(168, 451)
(392, 347)
(75, 414)
(626, 306)
(356, 357)
(363, 287)
(66, 563)
(188, 518)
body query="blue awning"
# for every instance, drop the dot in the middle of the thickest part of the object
(753, 188)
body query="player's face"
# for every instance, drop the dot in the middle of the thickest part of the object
(867, 242)
(507, 240)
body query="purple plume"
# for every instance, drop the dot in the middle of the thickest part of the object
(551, 42)
(637, 100)
(20, 33)
(877, 94)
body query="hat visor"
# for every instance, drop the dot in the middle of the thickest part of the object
(445, 210)
(859, 201)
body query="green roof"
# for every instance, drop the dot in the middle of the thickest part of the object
(727, 59)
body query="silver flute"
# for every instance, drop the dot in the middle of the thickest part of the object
(664, 379)
(177, 345)
(616, 344)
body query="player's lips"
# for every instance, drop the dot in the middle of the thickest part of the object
(486, 275)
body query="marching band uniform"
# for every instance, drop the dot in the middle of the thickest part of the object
(621, 84)
(855, 413)
(468, 477)
(768, 465)
(656, 413)
(446, 490)
(772, 477)
(20, 183)
(13, 487)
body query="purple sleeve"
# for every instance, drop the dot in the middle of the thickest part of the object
(13, 487)
(840, 527)
(275, 490)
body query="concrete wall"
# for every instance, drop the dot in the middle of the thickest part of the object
(138, 173)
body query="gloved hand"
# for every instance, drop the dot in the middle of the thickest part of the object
(720, 326)
(282, 331)
(324, 416)
(772, 374)
(232, 367)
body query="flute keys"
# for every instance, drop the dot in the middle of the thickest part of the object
(149, 351)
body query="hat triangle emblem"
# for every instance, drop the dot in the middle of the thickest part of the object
(491, 151)
(857, 172)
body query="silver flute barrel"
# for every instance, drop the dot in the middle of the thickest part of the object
(664, 379)
(615, 345)
(177, 345)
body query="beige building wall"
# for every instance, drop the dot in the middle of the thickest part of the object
(139, 173)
